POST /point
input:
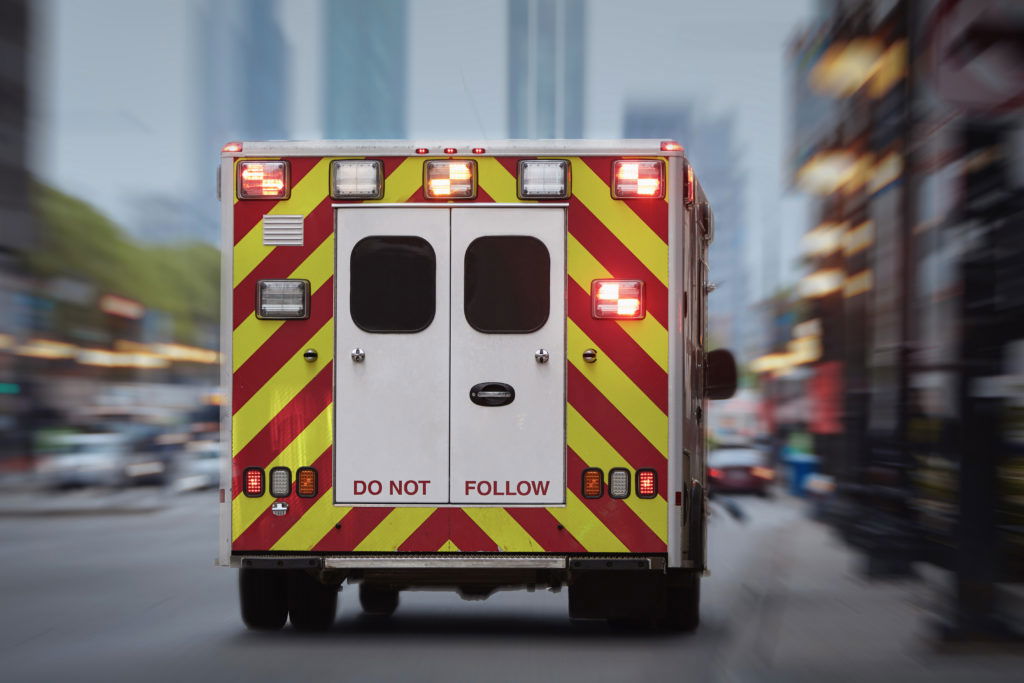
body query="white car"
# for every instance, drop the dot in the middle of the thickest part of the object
(85, 460)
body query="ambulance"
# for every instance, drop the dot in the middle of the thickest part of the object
(472, 366)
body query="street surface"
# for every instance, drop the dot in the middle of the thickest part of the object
(134, 596)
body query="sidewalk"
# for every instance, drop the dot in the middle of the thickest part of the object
(810, 617)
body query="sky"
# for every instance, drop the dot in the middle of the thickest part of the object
(113, 114)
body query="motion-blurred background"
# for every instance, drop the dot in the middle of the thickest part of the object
(864, 159)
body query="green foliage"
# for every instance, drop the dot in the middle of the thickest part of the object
(77, 241)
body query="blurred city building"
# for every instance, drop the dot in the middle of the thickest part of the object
(710, 143)
(905, 332)
(546, 61)
(366, 69)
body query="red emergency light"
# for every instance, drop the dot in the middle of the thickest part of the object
(263, 180)
(637, 178)
(617, 299)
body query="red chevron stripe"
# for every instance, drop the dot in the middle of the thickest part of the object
(268, 529)
(285, 343)
(467, 535)
(613, 513)
(616, 258)
(354, 527)
(430, 535)
(540, 524)
(622, 349)
(248, 212)
(604, 417)
(288, 423)
(281, 261)
(653, 212)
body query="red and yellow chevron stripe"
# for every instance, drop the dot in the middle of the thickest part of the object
(616, 412)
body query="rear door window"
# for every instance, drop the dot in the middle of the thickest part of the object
(392, 284)
(507, 282)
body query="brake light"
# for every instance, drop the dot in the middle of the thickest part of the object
(450, 179)
(715, 473)
(593, 483)
(637, 178)
(263, 180)
(646, 483)
(617, 299)
(305, 482)
(253, 482)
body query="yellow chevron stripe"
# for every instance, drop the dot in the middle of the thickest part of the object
(269, 399)
(304, 449)
(504, 530)
(252, 333)
(588, 443)
(618, 388)
(586, 527)
(498, 182)
(621, 220)
(402, 183)
(312, 526)
(648, 332)
(394, 529)
(306, 195)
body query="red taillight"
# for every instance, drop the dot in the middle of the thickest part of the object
(593, 483)
(715, 473)
(263, 180)
(231, 147)
(646, 483)
(671, 146)
(617, 299)
(305, 482)
(637, 178)
(253, 478)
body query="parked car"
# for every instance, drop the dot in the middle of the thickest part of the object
(84, 459)
(739, 469)
(199, 467)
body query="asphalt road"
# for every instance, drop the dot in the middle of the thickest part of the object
(136, 597)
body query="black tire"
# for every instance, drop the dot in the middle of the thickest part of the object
(378, 601)
(263, 597)
(312, 605)
(682, 601)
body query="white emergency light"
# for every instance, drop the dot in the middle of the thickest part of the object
(282, 299)
(543, 179)
(618, 482)
(449, 179)
(357, 179)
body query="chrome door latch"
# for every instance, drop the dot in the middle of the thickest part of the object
(542, 356)
(358, 355)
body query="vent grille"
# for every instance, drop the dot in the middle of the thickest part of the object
(282, 231)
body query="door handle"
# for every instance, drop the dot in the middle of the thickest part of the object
(494, 394)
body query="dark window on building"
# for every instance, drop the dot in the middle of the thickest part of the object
(392, 284)
(507, 284)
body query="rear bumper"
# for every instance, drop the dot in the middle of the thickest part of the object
(453, 561)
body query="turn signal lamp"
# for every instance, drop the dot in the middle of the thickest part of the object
(280, 482)
(544, 179)
(450, 179)
(617, 299)
(637, 178)
(357, 179)
(618, 483)
(253, 482)
(593, 483)
(646, 483)
(282, 299)
(305, 482)
(263, 180)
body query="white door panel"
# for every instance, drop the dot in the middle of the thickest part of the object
(391, 439)
(510, 454)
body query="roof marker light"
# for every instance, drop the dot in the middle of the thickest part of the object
(422, 150)
(450, 150)
(231, 147)
(671, 146)
(479, 150)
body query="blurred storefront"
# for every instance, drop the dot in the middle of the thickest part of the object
(909, 131)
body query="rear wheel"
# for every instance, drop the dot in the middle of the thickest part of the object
(311, 605)
(263, 596)
(378, 601)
